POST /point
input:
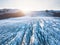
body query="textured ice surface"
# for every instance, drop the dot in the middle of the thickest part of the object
(30, 31)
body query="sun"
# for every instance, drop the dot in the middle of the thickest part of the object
(25, 11)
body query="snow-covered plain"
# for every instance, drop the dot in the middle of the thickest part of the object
(30, 31)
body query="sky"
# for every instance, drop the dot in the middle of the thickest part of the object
(31, 4)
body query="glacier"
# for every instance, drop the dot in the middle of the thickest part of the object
(30, 31)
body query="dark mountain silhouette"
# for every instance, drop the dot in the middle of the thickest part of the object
(55, 13)
(10, 13)
(46, 13)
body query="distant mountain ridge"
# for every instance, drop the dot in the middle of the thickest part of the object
(46, 13)
(8, 13)
(3, 11)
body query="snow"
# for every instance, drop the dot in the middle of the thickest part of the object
(30, 31)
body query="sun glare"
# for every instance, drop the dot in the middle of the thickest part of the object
(25, 11)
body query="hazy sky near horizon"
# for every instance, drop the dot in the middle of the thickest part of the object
(31, 4)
